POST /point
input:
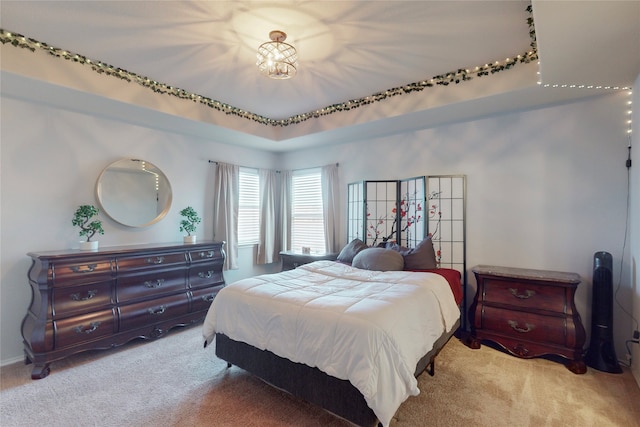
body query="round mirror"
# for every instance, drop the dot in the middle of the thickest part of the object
(134, 192)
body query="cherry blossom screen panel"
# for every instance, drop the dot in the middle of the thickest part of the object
(446, 214)
(387, 211)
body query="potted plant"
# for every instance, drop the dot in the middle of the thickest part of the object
(88, 227)
(188, 224)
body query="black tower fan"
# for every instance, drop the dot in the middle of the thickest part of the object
(601, 354)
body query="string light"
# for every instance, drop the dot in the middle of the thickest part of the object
(452, 77)
(629, 113)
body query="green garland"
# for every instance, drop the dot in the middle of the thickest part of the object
(453, 77)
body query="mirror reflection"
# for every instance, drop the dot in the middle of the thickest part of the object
(134, 192)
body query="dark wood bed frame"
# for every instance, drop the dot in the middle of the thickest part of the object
(311, 384)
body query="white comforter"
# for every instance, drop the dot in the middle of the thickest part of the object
(368, 327)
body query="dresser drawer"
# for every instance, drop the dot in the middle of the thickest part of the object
(201, 298)
(70, 273)
(80, 329)
(134, 263)
(523, 325)
(71, 300)
(202, 275)
(143, 286)
(521, 294)
(142, 314)
(213, 254)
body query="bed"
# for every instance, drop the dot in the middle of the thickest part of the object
(351, 340)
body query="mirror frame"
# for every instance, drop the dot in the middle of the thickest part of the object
(159, 216)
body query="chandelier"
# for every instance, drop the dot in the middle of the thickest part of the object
(276, 59)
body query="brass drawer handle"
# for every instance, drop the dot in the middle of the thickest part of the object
(159, 311)
(208, 254)
(154, 284)
(157, 260)
(207, 275)
(84, 268)
(208, 298)
(528, 326)
(90, 294)
(93, 326)
(527, 294)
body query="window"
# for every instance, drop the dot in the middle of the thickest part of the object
(307, 221)
(249, 207)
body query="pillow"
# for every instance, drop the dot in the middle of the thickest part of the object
(348, 252)
(378, 259)
(422, 257)
(396, 247)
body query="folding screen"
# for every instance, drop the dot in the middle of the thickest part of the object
(406, 211)
(381, 211)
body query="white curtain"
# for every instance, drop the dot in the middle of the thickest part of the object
(268, 243)
(330, 205)
(285, 210)
(225, 210)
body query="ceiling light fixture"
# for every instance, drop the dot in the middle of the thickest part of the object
(276, 59)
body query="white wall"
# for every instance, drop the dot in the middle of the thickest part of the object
(51, 159)
(546, 188)
(634, 242)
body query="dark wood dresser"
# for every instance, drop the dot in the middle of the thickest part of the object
(529, 313)
(291, 260)
(86, 300)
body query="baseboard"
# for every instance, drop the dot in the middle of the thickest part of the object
(11, 361)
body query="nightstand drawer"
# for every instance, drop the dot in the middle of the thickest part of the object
(524, 295)
(525, 326)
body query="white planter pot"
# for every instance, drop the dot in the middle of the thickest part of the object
(189, 239)
(89, 246)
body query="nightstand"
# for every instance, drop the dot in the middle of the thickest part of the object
(529, 313)
(291, 259)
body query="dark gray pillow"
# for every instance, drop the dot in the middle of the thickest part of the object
(396, 247)
(422, 257)
(378, 259)
(348, 252)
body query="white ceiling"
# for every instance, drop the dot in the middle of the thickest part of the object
(347, 50)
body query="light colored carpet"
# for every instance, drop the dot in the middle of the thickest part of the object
(175, 382)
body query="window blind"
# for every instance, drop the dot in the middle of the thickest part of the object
(307, 220)
(249, 207)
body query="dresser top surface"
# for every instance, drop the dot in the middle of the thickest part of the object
(527, 274)
(119, 250)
